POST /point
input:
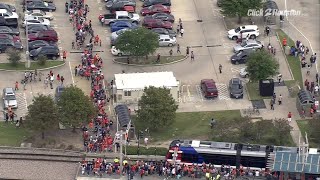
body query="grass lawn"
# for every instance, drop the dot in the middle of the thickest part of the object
(151, 60)
(12, 136)
(191, 125)
(294, 62)
(254, 93)
(304, 128)
(33, 66)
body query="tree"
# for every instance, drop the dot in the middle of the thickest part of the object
(138, 42)
(42, 114)
(13, 56)
(42, 60)
(261, 65)
(157, 108)
(236, 8)
(282, 130)
(75, 108)
(314, 126)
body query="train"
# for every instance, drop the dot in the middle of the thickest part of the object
(223, 153)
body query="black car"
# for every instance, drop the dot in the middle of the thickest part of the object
(34, 28)
(162, 16)
(28, 1)
(8, 22)
(59, 91)
(147, 3)
(240, 58)
(236, 88)
(8, 7)
(51, 52)
(39, 43)
(9, 30)
(7, 44)
(118, 5)
(164, 31)
(44, 6)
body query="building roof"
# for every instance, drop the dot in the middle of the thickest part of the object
(123, 114)
(292, 162)
(138, 81)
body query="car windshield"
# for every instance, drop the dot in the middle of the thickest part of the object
(237, 30)
(10, 97)
(9, 13)
(239, 54)
(120, 31)
(211, 89)
(236, 86)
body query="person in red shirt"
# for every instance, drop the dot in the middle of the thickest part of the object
(289, 116)
(16, 87)
(64, 55)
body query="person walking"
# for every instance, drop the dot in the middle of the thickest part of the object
(62, 79)
(187, 51)
(75, 71)
(192, 56)
(24, 85)
(181, 32)
(280, 99)
(271, 104)
(317, 78)
(178, 29)
(16, 86)
(220, 68)
(64, 55)
(158, 58)
(178, 49)
(279, 78)
(170, 52)
(289, 116)
(58, 77)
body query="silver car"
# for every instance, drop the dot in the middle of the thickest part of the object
(166, 40)
(249, 44)
(9, 98)
(114, 36)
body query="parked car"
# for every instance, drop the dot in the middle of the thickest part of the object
(115, 35)
(117, 52)
(41, 5)
(51, 52)
(162, 16)
(246, 45)
(8, 22)
(39, 13)
(236, 88)
(166, 40)
(158, 8)
(6, 44)
(108, 19)
(209, 88)
(7, 14)
(34, 28)
(39, 43)
(164, 31)
(156, 23)
(24, 2)
(35, 20)
(248, 30)
(240, 58)
(122, 25)
(48, 35)
(9, 30)
(10, 37)
(113, 2)
(58, 92)
(147, 3)
(8, 7)
(9, 98)
(120, 5)
(243, 73)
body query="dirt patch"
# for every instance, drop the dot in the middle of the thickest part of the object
(58, 139)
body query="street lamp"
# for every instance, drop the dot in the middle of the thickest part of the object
(28, 63)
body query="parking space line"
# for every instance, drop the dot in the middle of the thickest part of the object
(199, 92)
(71, 72)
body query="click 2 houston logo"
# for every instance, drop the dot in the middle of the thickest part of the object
(273, 12)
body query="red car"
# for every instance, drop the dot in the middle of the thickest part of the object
(158, 8)
(156, 23)
(47, 35)
(209, 88)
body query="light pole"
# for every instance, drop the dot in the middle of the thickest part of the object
(28, 63)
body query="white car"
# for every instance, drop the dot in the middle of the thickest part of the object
(35, 20)
(39, 13)
(117, 52)
(167, 40)
(243, 73)
(8, 14)
(248, 30)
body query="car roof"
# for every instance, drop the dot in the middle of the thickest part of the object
(3, 10)
(122, 13)
(210, 83)
(235, 80)
(249, 27)
(164, 36)
(121, 22)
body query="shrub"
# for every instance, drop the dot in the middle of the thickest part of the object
(42, 60)
(159, 151)
(13, 56)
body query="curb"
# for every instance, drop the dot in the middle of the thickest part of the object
(52, 67)
(144, 65)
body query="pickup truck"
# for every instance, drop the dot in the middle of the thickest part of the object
(108, 19)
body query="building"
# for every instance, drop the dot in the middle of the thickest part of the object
(129, 86)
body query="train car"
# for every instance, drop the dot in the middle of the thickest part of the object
(219, 153)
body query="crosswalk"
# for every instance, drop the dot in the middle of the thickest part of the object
(22, 105)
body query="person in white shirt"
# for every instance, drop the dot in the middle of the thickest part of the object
(316, 90)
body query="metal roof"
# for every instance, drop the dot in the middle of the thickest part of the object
(305, 97)
(292, 162)
(138, 81)
(123, 114)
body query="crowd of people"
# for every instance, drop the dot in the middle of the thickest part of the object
(101, 167)
(97, 134)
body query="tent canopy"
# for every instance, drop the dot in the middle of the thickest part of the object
(305, 97)
(123, 115)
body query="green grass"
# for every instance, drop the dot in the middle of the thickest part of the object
(12, 136)
(151, 60)
(253, 92)
(304, 128)
(33, 65)
(294, 62)
(190, 125)
(159, 151)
